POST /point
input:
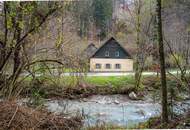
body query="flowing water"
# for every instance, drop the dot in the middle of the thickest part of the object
(113, 109)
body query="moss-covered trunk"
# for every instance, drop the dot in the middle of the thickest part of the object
(162, 65)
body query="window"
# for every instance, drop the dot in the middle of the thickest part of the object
(108, 66)
(98, 66)
(118, 66)
(107, 53)
(117, 53)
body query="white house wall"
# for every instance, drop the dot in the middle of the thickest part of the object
(126, 65)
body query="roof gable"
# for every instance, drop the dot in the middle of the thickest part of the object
(90, 50)
(112, 47)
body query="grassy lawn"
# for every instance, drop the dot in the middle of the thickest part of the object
(114, 81)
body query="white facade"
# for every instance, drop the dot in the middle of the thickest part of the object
(110, 65)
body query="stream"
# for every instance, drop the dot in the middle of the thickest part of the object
(117, 110)
(110, 109)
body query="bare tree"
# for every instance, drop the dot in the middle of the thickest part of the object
(138, 42)
(162, 64)
(21, 19)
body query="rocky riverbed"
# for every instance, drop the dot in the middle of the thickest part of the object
(112, 109)
(118, 110)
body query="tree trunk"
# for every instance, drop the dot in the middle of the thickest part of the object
(162, 65)
(17, 59)
(3, 43)
(137, 64)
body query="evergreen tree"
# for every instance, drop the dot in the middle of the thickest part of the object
(102, 14)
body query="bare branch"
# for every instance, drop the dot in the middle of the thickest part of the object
(41, 61)
(37, 27)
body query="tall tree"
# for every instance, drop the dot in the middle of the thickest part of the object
(138, 42)
(20, 20)
(102, 14)
(18, 28)
(82, 13)
(162, 64)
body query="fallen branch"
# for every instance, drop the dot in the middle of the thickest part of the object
(13, 117)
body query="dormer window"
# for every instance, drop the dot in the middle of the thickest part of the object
(107, 54)
(117, 54)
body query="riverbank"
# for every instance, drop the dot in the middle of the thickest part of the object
(74, 88)
(77, 87)
(112, 111)
(14, 116)
(97, 112)
(177, 122)
(105, 102)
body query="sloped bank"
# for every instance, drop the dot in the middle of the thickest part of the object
(19, 117)
(81, 91)
(177, 122)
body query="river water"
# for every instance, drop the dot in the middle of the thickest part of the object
(111, 109)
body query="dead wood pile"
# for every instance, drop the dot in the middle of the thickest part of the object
(17, 117)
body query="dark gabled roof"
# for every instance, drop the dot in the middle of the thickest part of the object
(90, 50)
(112, 40)
(91, 45)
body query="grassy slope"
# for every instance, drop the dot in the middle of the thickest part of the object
(76, 87)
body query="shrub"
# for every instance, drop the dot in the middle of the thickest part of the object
(173, 58)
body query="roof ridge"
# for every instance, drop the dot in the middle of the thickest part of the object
(110, 39)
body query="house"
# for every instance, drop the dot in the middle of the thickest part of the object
(111, 57)
(89, 51)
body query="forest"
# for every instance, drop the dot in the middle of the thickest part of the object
(57, 71)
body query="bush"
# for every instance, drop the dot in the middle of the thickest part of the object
(148, 62)
(172, 60)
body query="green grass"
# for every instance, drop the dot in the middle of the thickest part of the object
(74, 87)
(114, 81)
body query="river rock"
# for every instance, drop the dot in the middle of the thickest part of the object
(116, 102)
(85, 100)
(133, 96)
(101, 102)
(141, 112)
(101, 114)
